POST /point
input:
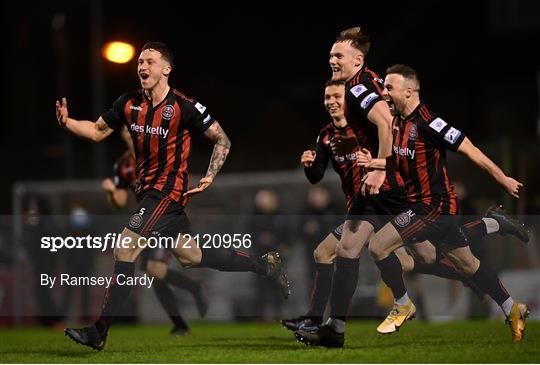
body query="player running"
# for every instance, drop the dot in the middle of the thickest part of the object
(371, 120)
(331, 146)
(162, 122)
(421, 139)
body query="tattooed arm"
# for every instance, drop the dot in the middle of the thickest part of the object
(222, 145)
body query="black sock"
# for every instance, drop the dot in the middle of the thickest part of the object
(180, 280)
(224, 259)
(488, 281)
(168, 302)
(442, 269)
(392, 275)
(115, 296)
(345, 279)
(474, 230)
(322, 286)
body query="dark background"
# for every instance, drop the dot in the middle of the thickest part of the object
(260, 71)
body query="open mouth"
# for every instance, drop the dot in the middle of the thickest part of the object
(144, 75)
(391, 104)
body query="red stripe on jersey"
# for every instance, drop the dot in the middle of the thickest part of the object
(423, 113)
(241, 253)
(170, 151)
(140, 138)
(154, 150)
(374, 80)
(472, 224)
(422, 171)
(402, 141)
(357, 171)
(182, 177)
(451, 194)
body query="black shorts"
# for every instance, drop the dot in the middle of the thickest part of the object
(159, 215)
(421, 222)
(378, 209)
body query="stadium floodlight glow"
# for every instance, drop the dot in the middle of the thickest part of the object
(118, 52)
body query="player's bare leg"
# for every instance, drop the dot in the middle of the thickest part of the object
(487, 280)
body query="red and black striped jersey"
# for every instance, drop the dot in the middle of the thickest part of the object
(345, 166)
(161, 137)
(363, 91)
(124, 172)
(420, 144)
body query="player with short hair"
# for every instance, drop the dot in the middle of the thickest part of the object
(331, 147)
(371, 120)
(162, 122)
(421, 139)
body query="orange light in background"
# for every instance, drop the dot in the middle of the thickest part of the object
(118, 52)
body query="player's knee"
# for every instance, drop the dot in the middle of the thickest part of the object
(191, 258)
(125, 254)
(321, 256)
(407, 263)
(348, 250)
(156, 269)
(470, 266)
(376, 249)
(426, 258)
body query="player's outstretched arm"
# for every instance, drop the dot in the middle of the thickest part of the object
(479, 158)
(94, 132)
(222, 146)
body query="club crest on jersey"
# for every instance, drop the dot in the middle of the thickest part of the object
(358, 90)
(135, 221)
(404, 219)
(168, 112)
(412, 132)
(339, 230)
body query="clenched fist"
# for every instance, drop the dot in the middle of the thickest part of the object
(307, 158)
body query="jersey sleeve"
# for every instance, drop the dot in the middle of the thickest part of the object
(316, 172)
(198, 119)
(441, 134)
(115, 117)
(365, 95)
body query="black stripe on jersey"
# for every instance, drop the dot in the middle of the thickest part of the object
(134, 134)
(162, 143)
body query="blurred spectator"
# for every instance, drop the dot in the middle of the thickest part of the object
(269, 231)
(78, 262)
(319, 218)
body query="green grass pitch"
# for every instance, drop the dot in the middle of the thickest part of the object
(457, 342)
